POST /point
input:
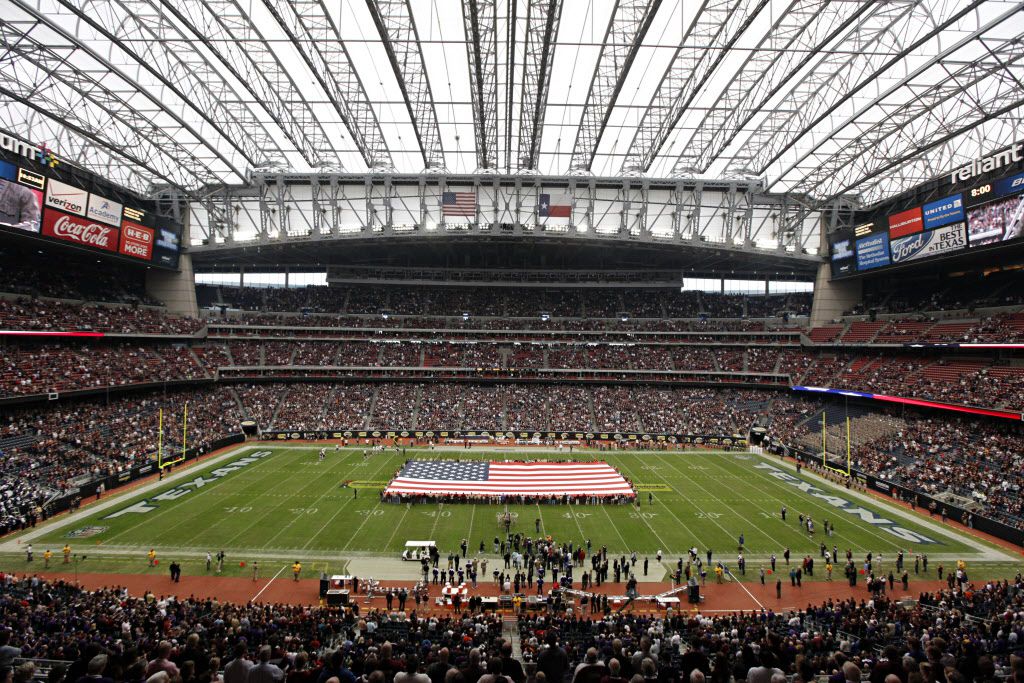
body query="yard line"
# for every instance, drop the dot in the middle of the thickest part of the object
(164, 509)
(740, 583)
(625, 545)
(776, 484)
(315, 480)
(469, 534)
(727, 507)
(335, 515)
(288, 500)
(398, 526)
(668, 508)
(253, 598)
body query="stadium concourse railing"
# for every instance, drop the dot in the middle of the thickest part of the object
(978, 520)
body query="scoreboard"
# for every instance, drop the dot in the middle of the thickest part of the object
(987, 214)
(63, 204)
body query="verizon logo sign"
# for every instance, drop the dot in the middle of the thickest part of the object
(79, 230)
(66, 197)
(136, 241)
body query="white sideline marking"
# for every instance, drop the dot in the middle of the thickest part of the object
(283, 567)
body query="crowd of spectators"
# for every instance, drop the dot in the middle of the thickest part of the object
(50, 368)
(45, 315)
(967, 633)
(514, 302)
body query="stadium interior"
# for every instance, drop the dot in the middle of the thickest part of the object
(658, 237)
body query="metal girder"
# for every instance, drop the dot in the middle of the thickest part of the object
(66, 84)
(480, 18)
(893, 28)
(716, 27)
(186, 79)
(75, 148)
(227, 30)
(542, 20)
(801, 32)
(968, 91)
(951, 152)
(397, 28)
(626, 30)
(313, 31)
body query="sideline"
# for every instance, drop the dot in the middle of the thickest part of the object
(265, 587)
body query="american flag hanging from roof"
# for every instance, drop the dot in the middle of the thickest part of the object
(458, 204)
(483, 478)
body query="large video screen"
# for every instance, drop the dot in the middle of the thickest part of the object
(70, 206)
(996, 211)
(987, 214)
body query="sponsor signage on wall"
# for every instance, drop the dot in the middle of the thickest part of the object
(67, 198)
(873, 252)
(905, 222)
(136, 241)
(103, 209)
(943, 212)
(81, 231)
(942, 240)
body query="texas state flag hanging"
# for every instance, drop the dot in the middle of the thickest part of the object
(555, 206)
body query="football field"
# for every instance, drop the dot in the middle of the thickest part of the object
(275, 502)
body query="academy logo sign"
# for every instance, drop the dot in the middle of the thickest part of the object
(182, 490)
(846, 506)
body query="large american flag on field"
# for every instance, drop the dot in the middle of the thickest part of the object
(458, 204)
(480, 477)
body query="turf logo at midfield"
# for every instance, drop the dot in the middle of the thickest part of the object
(846, 506)
(86, 532)
(144, 506)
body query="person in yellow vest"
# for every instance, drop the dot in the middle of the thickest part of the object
(296, 569)
(67, 553)
(719, 573)
(517, 603)
(828, 571)
(152, 557)
(46, 559)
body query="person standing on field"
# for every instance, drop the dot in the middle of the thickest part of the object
(255, 570)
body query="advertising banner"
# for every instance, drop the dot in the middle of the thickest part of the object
(873, 252)
(843, 249)
(905, 222)
(942, 240)
(103, 209)
(136, 241)
(67, 198)
(943, 212)
(79, 230)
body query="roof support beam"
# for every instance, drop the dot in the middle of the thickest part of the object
(802, 30)
(895, 28)
(627, 28)
(716, 28)
(227, 30)
(156, 45)
(481, 22)
(970, 89)
(314, 33)
(542, 21)
(397, 28)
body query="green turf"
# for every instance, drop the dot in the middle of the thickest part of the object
(290, 504)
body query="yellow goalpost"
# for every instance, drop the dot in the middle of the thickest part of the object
(824, 446)
(161, 463)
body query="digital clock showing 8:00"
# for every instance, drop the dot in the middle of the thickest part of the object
(981, 190)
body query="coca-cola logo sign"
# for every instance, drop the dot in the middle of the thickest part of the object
(79, 230)
(136, 241)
